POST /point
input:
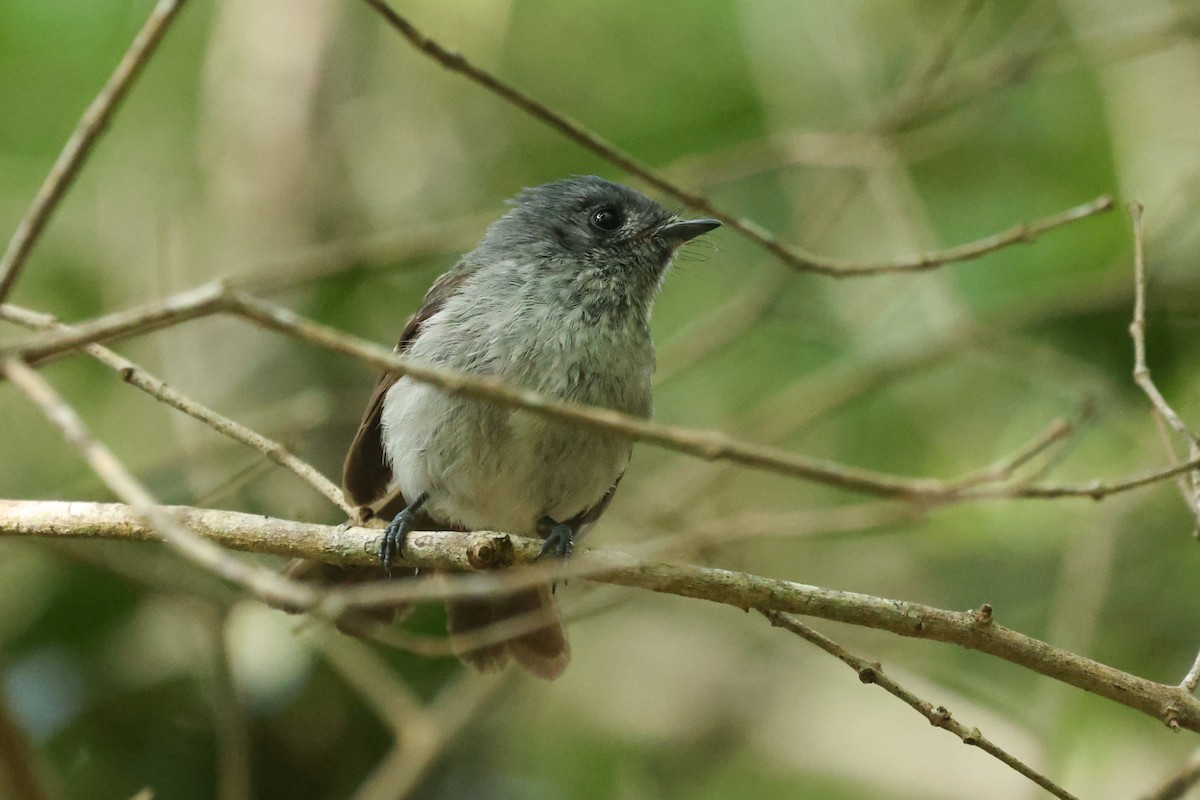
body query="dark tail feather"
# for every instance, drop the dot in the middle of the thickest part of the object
(467, 617)
(357, 621)
(544, 650)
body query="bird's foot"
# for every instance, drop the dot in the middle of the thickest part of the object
(559, 543)
(396, 533)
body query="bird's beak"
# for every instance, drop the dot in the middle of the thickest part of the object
(676, 233)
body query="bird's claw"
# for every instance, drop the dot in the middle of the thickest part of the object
(394, 536)
(559, 543)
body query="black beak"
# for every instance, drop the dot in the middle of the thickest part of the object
(677, 233)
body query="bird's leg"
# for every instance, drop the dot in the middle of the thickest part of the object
(397, 531)
(559, 540)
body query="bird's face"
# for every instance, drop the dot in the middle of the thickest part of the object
(591, 223)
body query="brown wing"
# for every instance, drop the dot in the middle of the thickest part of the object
(366, 474)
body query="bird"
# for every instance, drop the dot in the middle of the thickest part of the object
(555, 298)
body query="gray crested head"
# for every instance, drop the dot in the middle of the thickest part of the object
(608, 243)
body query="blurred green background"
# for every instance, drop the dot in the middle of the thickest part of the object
(303, 146)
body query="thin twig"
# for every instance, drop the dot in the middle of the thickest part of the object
(1164, 436)
(95, 119)
(1006, 467)
(1192, 679)
(709, 445)
(138, 377)
(171, 310)
(214, 298)
(1141, 376)
(939, 717)
(793, 256)
(1095, 490)
(1141, 372)
(703, 444)
(1137, 330)
(261, 581)
(484, 552)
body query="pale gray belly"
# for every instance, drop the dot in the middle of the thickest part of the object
(486, 467)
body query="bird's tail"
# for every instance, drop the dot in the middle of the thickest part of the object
(359, 620)
(485, 631)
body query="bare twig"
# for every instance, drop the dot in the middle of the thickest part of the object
(703, 444)
(1164, 436)
(1141, 372)
(483, 552)
(709, 445)
(793, 256)
(1095, 490)
(95, 119)
(1141, 376)
(1192, 679)
(215, 298)
(1175, 787)
(1006, 467)
(171, 310)
(939, 716)
(263, 582)
(136, 376)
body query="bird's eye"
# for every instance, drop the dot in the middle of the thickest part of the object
(606, 219)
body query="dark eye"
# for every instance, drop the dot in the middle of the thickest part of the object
(606, 219)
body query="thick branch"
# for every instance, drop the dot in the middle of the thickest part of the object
(464, 551)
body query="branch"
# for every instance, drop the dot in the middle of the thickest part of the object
(259, 580)
(171, 310)
(709, 445)
(939, 717)
(1141, 372)
(486, 551)
(95, 119)
(215, 298)
(138, 377)
(791, 255)
(1095, 490)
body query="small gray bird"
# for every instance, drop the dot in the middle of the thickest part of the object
(556, 298)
